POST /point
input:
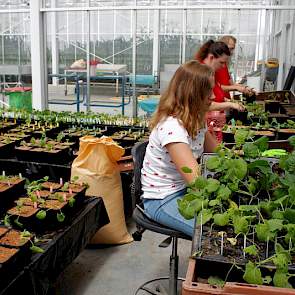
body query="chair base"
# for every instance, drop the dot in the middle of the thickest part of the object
(158, 289)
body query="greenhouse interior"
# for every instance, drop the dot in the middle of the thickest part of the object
(147, 147)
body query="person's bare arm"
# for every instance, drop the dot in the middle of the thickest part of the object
(236, 87)
(221, 106)
(210, 143)
(182, 156)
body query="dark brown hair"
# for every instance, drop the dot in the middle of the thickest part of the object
(186, 97)
(215, 48)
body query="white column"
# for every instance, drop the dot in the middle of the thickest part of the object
(38, 60)
(54, 45)
(156, 40)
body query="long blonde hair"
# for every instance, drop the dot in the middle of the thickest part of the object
(186, 97)
(227, 38)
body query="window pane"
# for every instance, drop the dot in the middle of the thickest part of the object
(193, 43)
(194, 21)
(170, 46)
(171, 21)
(211, 22)
(144, 58)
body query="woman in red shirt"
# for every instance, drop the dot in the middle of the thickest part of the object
(222, 75)
(215, 55)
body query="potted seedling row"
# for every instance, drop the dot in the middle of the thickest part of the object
(47, 205)
(6, 125)
(15, 251)
(7, 143)
(10, 188)
(44, 150)
(229, 133)
(244, 208)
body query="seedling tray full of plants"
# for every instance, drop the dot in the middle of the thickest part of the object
(47, 205)
(244, 208)
(14, 251)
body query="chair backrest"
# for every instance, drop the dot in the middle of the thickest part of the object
(138, 153)
(290, 79)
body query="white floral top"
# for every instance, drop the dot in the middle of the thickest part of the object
(159, 176)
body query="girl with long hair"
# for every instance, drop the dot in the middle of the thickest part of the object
(178, 138)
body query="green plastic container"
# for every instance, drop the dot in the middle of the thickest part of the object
(21, 100)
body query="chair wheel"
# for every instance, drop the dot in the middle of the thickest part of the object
(137, 236)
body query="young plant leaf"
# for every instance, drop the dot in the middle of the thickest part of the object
(251, 250)
(18, 223)
(7, 221)
(240, 136)
(213, 163)
(281, 279)
(41, 214)
(262, 143)
(252, 274)
(204, 216)
(263, 232)
(267, 280)
(224, 192)
(289, 214)
(215, 202)
(60, 217)
(212, 185)
(72, 202)
(200, 182)
(221, 219)
(241, 225)
(36, 249)
(216, 281)
(250, 150)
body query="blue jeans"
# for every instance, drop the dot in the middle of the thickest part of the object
(166, 212)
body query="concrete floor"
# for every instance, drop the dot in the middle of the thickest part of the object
(117, 269)
(120, 269)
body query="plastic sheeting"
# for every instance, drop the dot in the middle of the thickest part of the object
(38, 276)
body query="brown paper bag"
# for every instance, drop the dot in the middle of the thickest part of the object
(96, 165)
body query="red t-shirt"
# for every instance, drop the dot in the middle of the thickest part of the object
(222, 77)
(218, 92)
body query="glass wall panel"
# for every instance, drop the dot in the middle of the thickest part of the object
(229, 22)
(123, 51)
(14, 4)
(123, 22)
(211, 22)
(106, 22)
(15, 38)
(246, 55)
(145, 21)
(194, 21)
(171, 21)
(193, 43)
(248, 21)
(170, 50)
(144, 57)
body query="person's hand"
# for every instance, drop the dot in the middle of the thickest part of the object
(244, 89)
(253, 91)
(237, 106)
